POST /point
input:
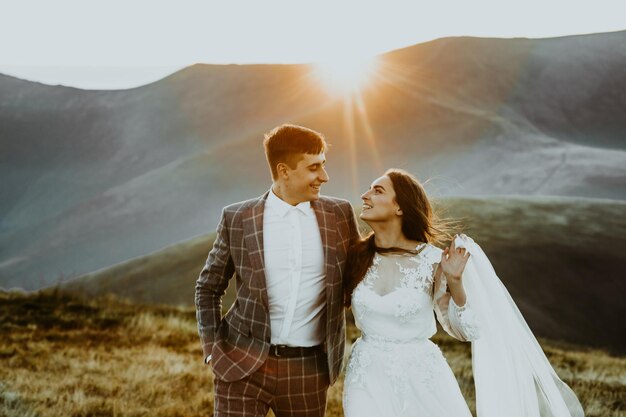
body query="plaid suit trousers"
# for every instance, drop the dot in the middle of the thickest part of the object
(291, 387)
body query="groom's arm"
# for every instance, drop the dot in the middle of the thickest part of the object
(211, 286)
(355, 234)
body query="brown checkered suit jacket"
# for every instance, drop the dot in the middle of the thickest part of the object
(239, 342)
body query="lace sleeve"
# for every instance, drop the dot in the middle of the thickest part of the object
(458, 322)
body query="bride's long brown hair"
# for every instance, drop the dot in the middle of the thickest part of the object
(419, 222)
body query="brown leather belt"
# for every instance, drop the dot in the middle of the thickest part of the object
(293, 351)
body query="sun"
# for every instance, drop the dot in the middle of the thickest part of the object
(345, 75)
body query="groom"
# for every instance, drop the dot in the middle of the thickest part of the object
(281, 344)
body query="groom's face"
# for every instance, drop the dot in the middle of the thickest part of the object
(304, 182)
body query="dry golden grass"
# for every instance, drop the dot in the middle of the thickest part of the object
(62, 356)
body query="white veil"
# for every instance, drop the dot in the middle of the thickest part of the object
(513, 376)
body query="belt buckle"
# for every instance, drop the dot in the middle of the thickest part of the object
(276, 350)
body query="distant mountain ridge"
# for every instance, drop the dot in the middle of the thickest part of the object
(560, 258)
(92, 178)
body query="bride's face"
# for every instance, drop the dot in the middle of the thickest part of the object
(379, 202)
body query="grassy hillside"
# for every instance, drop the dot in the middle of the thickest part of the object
(74, 357)
(164, 277)
(561, 259)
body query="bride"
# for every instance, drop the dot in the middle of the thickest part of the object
(396, 278)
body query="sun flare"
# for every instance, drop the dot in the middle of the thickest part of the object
(346, 75)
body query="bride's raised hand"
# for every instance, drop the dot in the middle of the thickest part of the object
(453, 261)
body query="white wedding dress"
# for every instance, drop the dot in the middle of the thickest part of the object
(394, 369)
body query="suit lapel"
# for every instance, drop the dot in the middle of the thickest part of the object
(253, 238)
(328, 233)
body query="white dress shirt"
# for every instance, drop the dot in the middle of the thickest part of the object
(294, 272)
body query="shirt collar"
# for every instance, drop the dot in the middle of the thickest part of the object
(282, 207)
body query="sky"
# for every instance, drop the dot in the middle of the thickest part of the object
(117, 44)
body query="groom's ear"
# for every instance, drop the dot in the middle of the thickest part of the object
(282, 171)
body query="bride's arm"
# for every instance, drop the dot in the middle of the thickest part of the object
(457, 320)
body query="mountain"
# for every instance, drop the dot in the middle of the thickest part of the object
(94, 178)
(560, 258)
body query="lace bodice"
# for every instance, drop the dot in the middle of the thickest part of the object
(396, 299)
(393, 307)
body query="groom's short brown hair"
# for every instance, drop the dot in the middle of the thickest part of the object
(285, 143)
